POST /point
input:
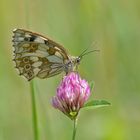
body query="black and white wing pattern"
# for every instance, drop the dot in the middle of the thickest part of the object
(37, 56)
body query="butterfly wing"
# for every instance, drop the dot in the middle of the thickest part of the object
(36, 55)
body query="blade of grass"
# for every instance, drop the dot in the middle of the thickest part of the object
(32, 84)
(34, 111)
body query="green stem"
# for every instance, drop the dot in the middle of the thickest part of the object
(74, 128)
(32, 86)
(34, 111)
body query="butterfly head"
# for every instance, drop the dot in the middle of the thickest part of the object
(73, 63)
(77, 60)
(85, 52)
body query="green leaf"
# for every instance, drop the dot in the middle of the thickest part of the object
(97, 103)
(91, 84)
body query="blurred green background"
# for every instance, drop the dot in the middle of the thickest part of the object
(114, 26)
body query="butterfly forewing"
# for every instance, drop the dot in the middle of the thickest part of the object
(36, 55)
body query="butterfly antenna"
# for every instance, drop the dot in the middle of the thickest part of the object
(85, 53)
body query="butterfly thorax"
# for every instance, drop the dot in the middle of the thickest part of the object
(72, 64)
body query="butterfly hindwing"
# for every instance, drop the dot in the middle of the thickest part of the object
(36, 55)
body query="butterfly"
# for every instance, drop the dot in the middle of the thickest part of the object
(38, 56)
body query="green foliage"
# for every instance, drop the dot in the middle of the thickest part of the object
(91, 85)
(97, 103)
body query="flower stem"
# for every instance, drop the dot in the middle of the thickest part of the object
(34, 111)
(32, 84)
(74, 128)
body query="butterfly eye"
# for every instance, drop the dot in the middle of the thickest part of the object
(78, 60)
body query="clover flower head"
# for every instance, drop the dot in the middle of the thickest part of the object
(71, 95)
